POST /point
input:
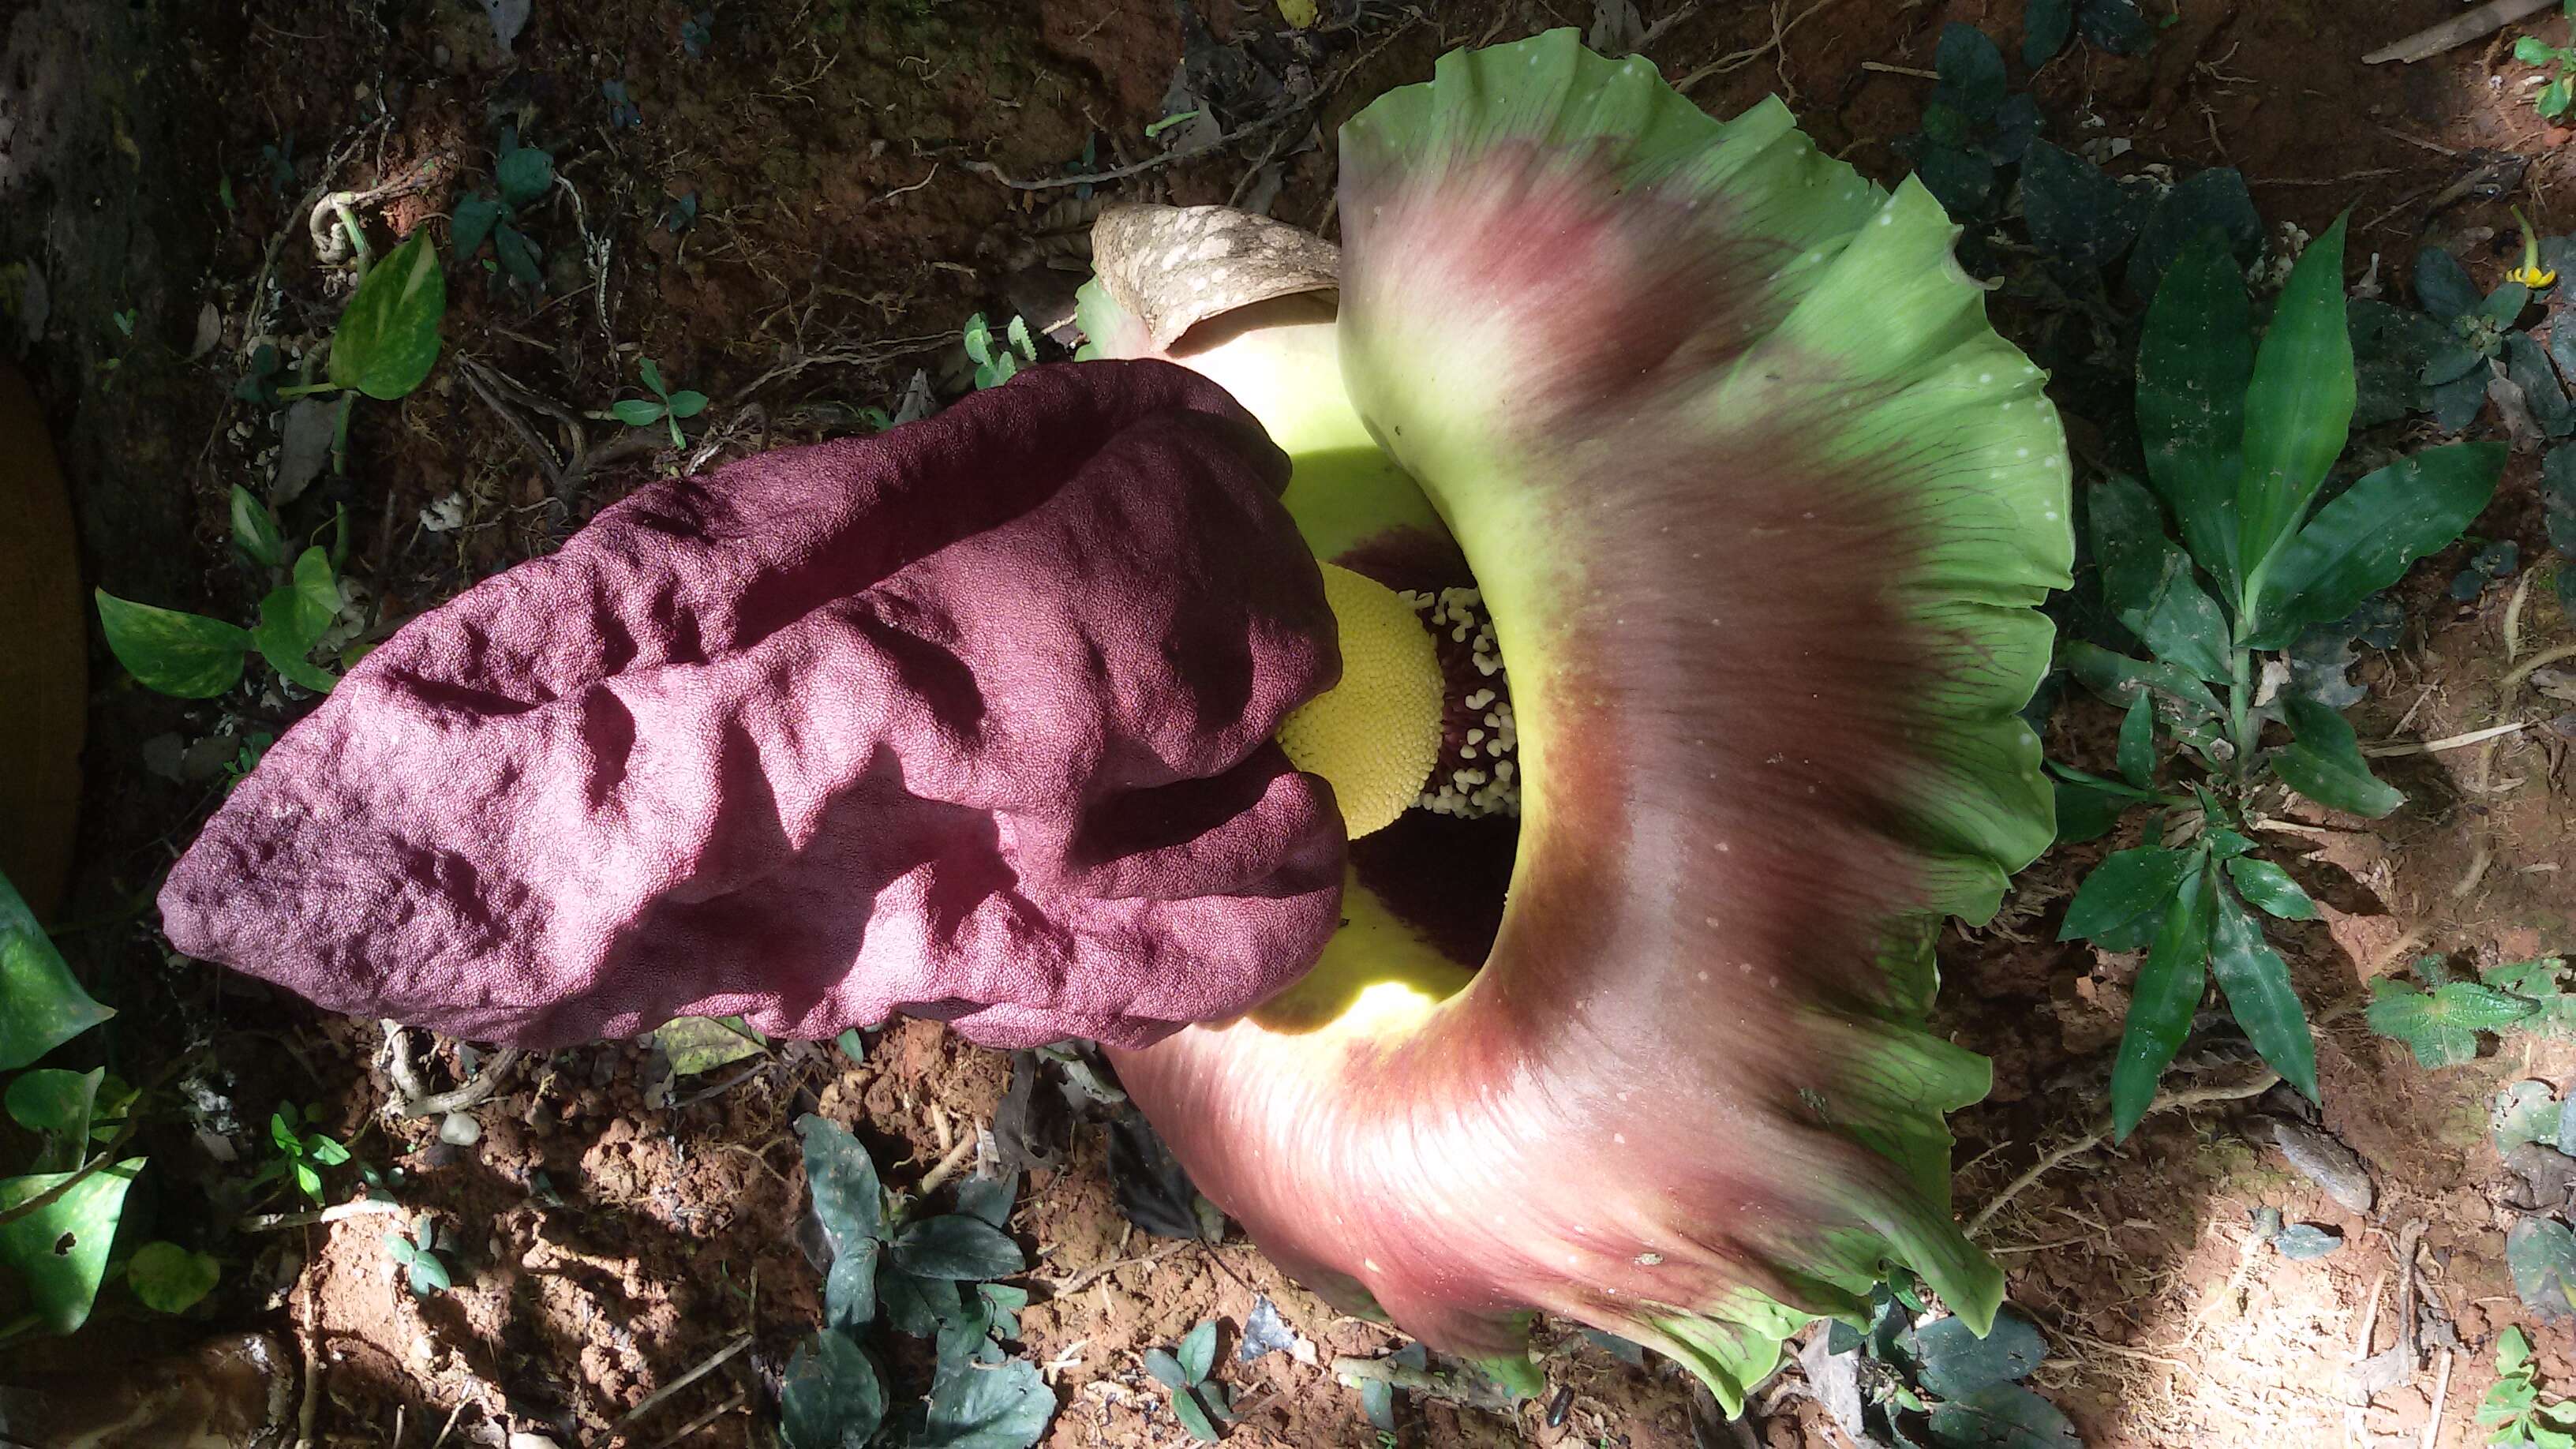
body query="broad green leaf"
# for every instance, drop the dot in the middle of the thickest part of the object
(2441, 1026)
(832, 1397)
(2086, 812)
(176, 653)
(1193, 1417)
(2303, 1241)
(472, 223)
(1198, 1351)
(2542, 1256)
(2148, 583)
(637, 412)
(2194, 362)
(2162, 1001)
(519, 256)
(957, 1246)
(651, 372)
(2505, 303)
(989, 1198)
(2256, 982)
(168, 1278)
(2126, 885)
(2117, 678)
(524, 173)
(2203, 202)
(2138, 742)
(1971, 69)
(2075, 211)
(704, 1043)
(255, 530)
(277, 645)
(59, 1251)
(2003, 1416)
(2298, 408)
(2324, 763)
(1955, 1362)
(850, 1206)
(2443, 285)
(329, 1151)
(688, 404)
(853, 1045)
(919, 1306)
(387, 340)
(2364, 540)
(2046, 25)
(426, 1274)
(56, 1104)
(977, 1408)
(1002, 1305)
(2521, 1112)
(2269, 889)
(2543, 976)
(41, 1006)
(1166, 1368)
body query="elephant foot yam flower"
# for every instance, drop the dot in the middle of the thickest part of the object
(973, 720)
(1757, 507)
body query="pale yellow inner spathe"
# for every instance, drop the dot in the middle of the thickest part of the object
(1375, 736)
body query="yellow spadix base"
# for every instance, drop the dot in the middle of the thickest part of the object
(1375, 736)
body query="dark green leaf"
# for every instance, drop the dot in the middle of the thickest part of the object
(651, 372)
(519, 255)
(2441, 1026)
(2457, 403)
(2046, 26)
(1002, 1305)
(2298, 408)
(2269, 889)
(2391, 348)
(2147, 580)
(188, 655)
(2542, 1256)
(1185, 1408)
(989, 1198)
(524, 174)
(2521, 1113)
(59, 1251)
(2364, 540)
(2075, 211)
(2127, 885)
(167, 1278)
(687, 404)
(41, 1006)
(2256, 982)
(978, 1408)
(2306, 1240)
(2138, 742)
(2004, 1416)
(2529, 369)
(56, 1104)
(1960, 180)
(832, 1397)
(2086, 813)
(2324, 763)
(472, 223)
(2505, 304)
(1955, 1362)
(2443, 285)
(1198, 1351)
(2225, 844)
(255, 530)
(2205, 199)
(387, 340)
(957, 1246)
(2162, 1001)
(2117, 26)
(1166, 1369)
(2117, 678)
(1971, 70)
(637, 412)
(850, 1206)
(2195, 360)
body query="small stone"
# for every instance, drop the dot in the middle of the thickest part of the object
(2324, 1160)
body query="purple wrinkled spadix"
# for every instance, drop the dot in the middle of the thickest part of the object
(971, 721)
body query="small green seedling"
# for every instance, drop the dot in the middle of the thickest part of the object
(521, 174)
(1199, 1402)
(191, 656)
(418, 1254)
(999, 358)
(300, 1154)
(2556, 61)
(2514, 1408)
(665, 406)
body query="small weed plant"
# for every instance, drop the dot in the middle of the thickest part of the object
(1199, 1402)
(664, 406)
(2515, 1410)
(301, 1155)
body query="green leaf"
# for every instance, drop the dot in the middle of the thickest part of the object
(2138, 742)
(329, 1151)
(2117, 678)
(1954, 1362)
(979, 1408)
(2087, 812)
(2302, 1241)
(832, 1397)
(387, 340)
(519, 256)
(2256, 982)
(2125, 886)
(956, 1246)
(524, 173)
(255, 530)
(919, 1306)
(1166, 1368)
(176, 653)
(59, 1251)
(2269, 889)
(2046, 26)
(2003, 1416)
(2364, 540)
(2162, 1001)
(2542, 1256)
(2205, 201)
(703, 1043)
(637, 412)
(2324, 763)
(56, 1104)
(2298, 408)
(472, 222)
(167, 1278)
(2195, 359)
(850, 1206)
(1021, 342)
(989, 1198)
(41, 1006)
(687, 404)
(2554, 98)
(978, 339)
(2147, 580)
(2441, 1026)
(426, 1274)
(2523, 1112)
(1198, 1351)
(651, 372)
(1193, 1417)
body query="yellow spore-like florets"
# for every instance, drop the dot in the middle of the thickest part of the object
(1375, 735)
